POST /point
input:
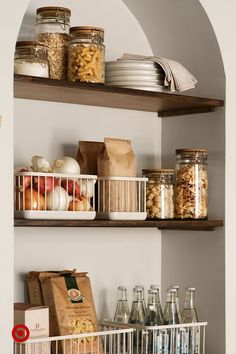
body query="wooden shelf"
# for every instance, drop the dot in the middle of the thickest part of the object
(34, 88)
(201, 225)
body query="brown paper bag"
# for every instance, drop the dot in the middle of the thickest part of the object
(72, 311)
(117, 159)
(34, 284)
(87, 156)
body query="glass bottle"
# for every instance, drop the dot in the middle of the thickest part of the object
(52, 30)
(137, 313)
(160, 193)
(122, 308)
(171, 317)
(170, 312)
(152, 316)
(31, 59)
(86, 55)
(159, 308)
(191, 184)
(189, 315)
(177, 300)
(137, 316)
(141, 288)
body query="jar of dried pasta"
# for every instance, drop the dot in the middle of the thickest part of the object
(52, 30)
(86, 55)
(160, 193)
(191, 184)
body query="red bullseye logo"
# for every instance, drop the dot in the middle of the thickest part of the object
(20, 333)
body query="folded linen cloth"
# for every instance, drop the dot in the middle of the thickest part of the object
(177, 77)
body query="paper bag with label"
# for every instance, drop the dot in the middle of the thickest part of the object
(72, 311)
(87, 156)
(117, 159)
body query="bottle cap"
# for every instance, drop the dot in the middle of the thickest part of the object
(154, 286)
(122, 288)
(174, 287)
(191, 289)
(139, 287)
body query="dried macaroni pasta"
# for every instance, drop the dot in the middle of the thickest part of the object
(86, 63)
(191, 192)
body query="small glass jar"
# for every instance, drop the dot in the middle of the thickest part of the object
(31, 59)
(52, 30)
(191, 184)
(86, 55)
(160, 193)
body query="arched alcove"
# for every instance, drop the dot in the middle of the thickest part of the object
(210, 88)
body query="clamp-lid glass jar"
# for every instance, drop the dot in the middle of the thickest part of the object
(31, 59)
(191, 184)
(52, 30)
(86, 55)
(160, 193)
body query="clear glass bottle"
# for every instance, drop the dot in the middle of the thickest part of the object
(191, 184)
(137, 313)
(159, 308)
(122, 308)
(86, 55)
(160, 193)
(189, 315)
(170, 312)
(141, 288)
(52, 30)
(137, 316)
(177, 300)
(153, 316)
(31, 59)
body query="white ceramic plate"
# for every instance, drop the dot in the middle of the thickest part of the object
(151, 71)
(135, 83)
(131, 65)
(145, 88)
(154, 77)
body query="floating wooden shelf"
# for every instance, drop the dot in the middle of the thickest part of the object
(165, 104)
(207, 225)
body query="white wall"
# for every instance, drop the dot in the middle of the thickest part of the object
(192, 258)
(112, 256)
(222, 16)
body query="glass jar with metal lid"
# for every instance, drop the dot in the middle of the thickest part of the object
(191, 184)
(86, 55)
(31, 59)
(52, 30)
(160, 193)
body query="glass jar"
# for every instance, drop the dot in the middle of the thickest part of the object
(52, 30)
(31, 59)
(160, 193)
(191, 184)
(86, 55)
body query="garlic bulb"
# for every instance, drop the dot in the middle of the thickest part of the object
(66, 165)
(86, 188)
(40, 164)
(58, 199)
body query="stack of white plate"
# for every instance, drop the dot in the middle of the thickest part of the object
(141, 75)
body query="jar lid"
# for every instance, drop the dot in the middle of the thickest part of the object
(86, 30)
(158, 171)
(54, 11)
(191, 151)
(26, 44)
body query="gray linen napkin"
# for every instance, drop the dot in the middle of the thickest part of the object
(177, 77)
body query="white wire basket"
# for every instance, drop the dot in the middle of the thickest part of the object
(122, 198)
(187, 338)
(117, 338)
(109, 340)
(54, 196)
